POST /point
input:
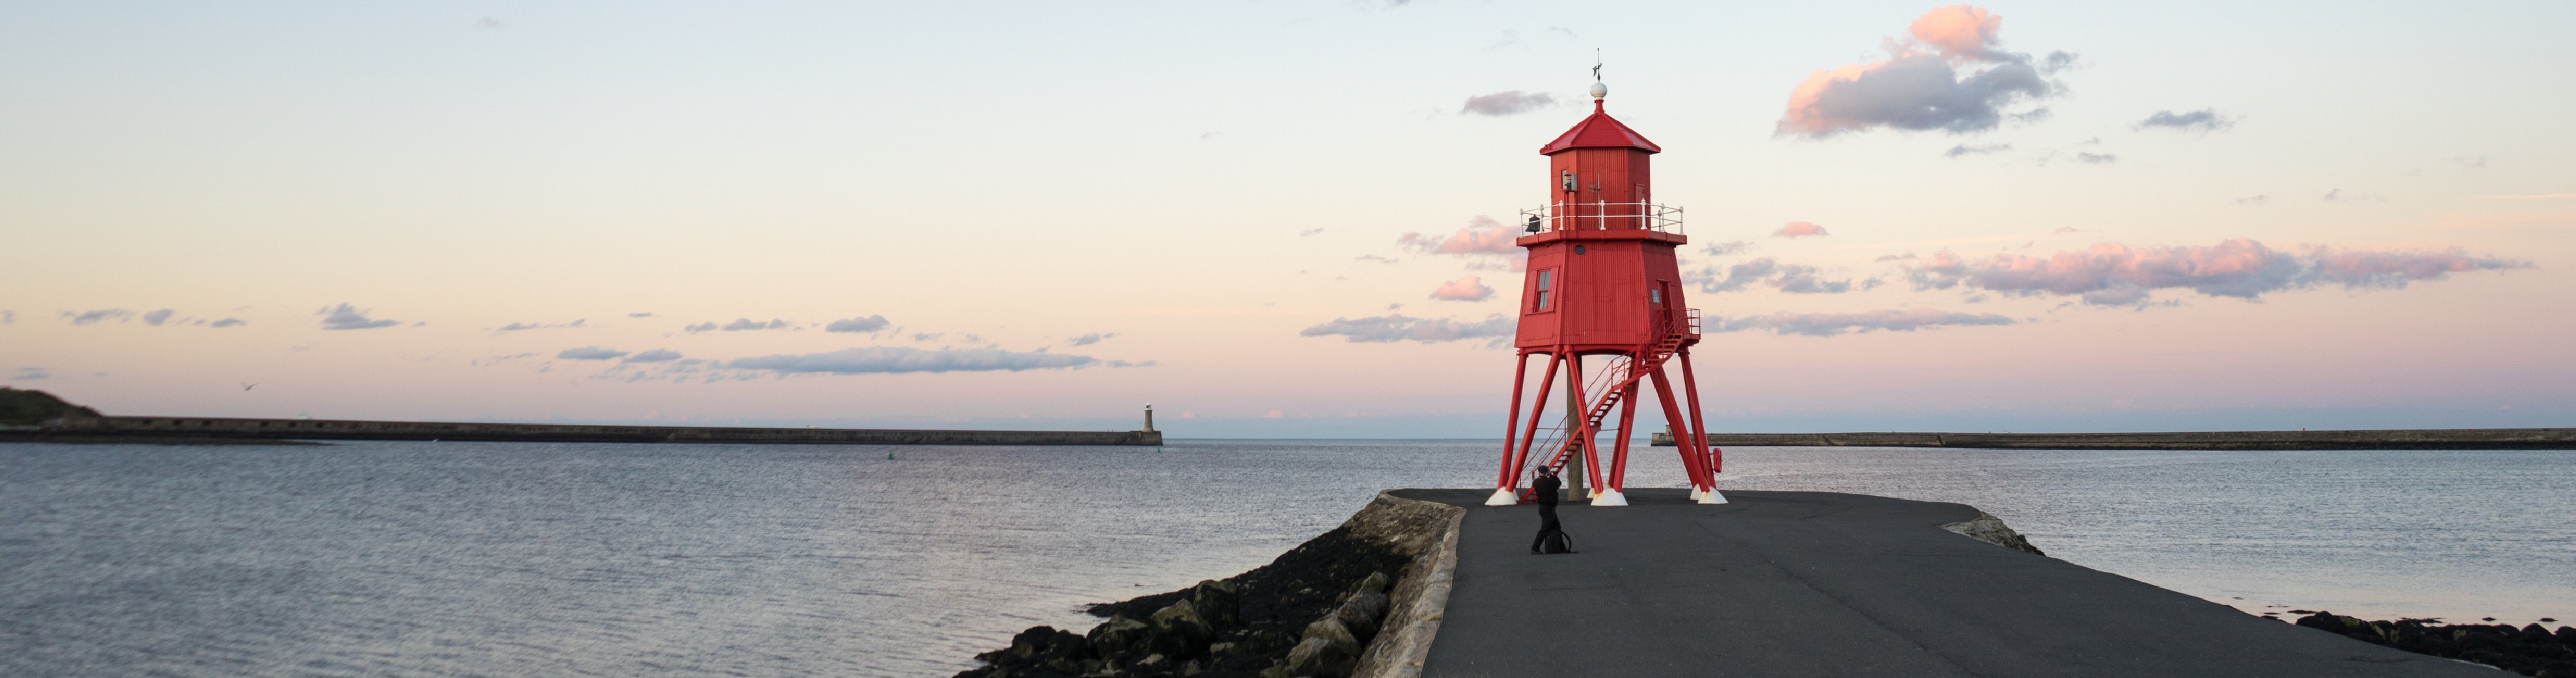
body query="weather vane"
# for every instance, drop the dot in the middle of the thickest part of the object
(1596, 64)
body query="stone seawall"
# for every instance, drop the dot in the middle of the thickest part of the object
(341, 429)
(2408, 439)
(1427, 532)
(1361, 600)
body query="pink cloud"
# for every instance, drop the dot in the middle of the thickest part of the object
(1959, 31)
(1465, 288)
(1920, 86)
(2116, 274)
(1483, 235)
(1799, 229)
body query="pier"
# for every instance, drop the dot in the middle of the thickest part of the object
(2388, 439)
(1828, 584)
(148, 428)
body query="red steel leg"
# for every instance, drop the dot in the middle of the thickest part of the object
(1699, 428)
(1504, 478)
(1692, 462)
(1619, 449)
(1580, 415)
(1529, 434)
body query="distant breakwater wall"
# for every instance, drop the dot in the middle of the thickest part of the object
(2414, 439)
(203, 428)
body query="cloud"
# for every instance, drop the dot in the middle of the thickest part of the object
(1089, 339)
(2205, 120)
(1514, 102)
(229, 322)
(155, 318)
(868, 324)
(521, 327)
(1311, 232)
(8, 317)
(1397, 327)
(28, 374)
(2254, 200)
(903, 359)
(1798, 229)
(2112, 274)
(700, 327)
(1375, 258)
(1727, 248)
(747, 324)
(642, 314)
(1482, 236)
(104, 314)
(1790, 278)
(2063, 230)
(2479, 162)
(590, 353)
(1979, 149)
(346, 317)
(1830, 324)
(2058, 61)
(653, 356)
(1803, 280)
(487, 23)
(1465, 288)
(1920, 85)
(2097, 158)
(2337, 195)
(1894, 257)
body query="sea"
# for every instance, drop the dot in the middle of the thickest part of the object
(651, 560)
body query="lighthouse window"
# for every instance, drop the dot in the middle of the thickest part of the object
(1654, 296)
(1546, 280)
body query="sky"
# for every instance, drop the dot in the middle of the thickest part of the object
(1281, 219)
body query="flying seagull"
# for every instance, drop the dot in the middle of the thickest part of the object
(246, 385)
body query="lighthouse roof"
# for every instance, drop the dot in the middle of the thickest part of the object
(1599, 131)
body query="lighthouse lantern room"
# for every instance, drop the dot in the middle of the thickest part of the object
(1602, 303)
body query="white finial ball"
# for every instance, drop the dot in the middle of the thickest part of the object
(1600, 90)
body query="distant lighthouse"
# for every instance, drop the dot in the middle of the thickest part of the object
(1603, 283)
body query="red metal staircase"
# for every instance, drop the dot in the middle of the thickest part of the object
(1617, 378)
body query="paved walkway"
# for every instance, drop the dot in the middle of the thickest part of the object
(1824, 584)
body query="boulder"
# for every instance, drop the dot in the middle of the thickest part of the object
(1218, 602)
(1120, 636)
(1376, 582)
(1361, 613)
(1268, 641)
(1180, 628)
(1330, 629)
(1319, 658)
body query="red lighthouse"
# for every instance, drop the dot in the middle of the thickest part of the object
(1603, 284)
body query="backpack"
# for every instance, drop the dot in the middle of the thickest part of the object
(1556, 542)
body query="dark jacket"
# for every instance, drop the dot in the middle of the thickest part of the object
(1546, 487)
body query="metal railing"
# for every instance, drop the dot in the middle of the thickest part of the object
(1602, 216)
(1689, 323)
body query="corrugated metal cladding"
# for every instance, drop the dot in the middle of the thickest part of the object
(1602, 175)
(1605, 296)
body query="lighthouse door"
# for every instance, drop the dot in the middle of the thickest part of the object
(1659, 305)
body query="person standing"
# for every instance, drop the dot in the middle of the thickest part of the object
(1546, 489)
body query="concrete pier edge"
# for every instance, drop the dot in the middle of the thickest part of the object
(1421, 601)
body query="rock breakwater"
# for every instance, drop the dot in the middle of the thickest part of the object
(2530, 650)
(1331, 607)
